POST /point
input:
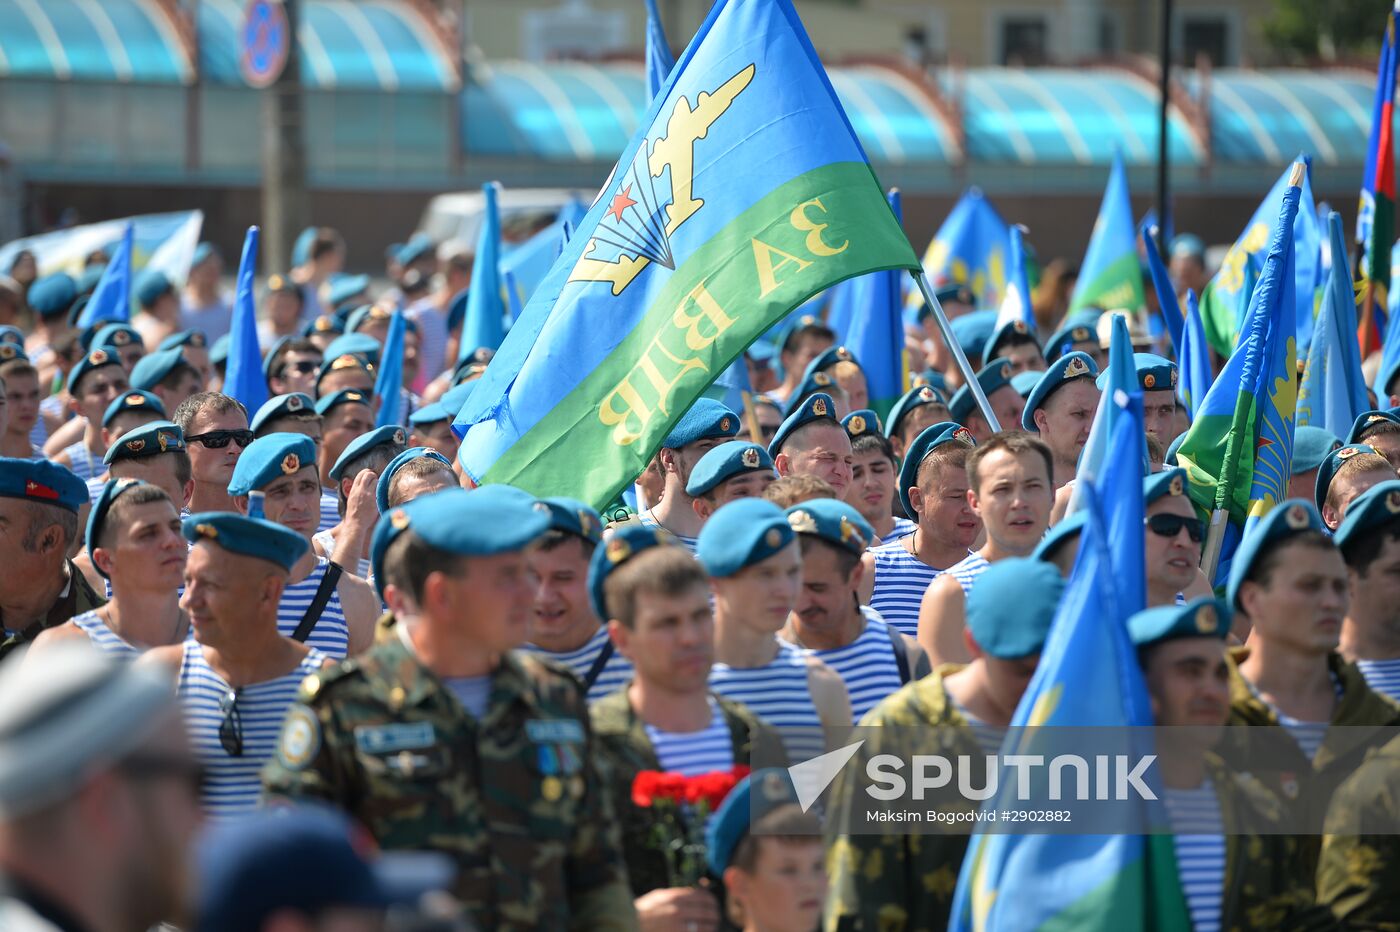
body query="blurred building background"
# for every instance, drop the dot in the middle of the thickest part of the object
(114, 107)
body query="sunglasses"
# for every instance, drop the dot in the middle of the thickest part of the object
(1169, 526)
(231, 728)
(302, 366)
(218, 439)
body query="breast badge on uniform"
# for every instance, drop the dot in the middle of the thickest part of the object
(301, 738)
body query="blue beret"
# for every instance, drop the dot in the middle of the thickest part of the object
(337, 363)
(1331, 463)
(1288, 518)
(115, 336)
(218, 353)
(152, 368)
(1011, 330)
(1154, 373)
(932, 378)
(203, 253)
(94, 360)
(833, 521)
(268, 459)
(466, 369)
(1071, 526)
(1310, 447)
(445, 408)
(151, 439)
(572, 516)
(354, 344)
(1377, 507)
(959, 293)
(484, 522)
(1025, 382)
(724, 462)
(111, 491)
(1202, 617)
(862, 423)
(828, 358)
(761, 351)
(1172, 481)
(346, 287)
(323, 323)
(740, 534)
(194, 338)
(916, 396)
(1062, 371)
(75, 313)
(11, 334)
(624, 543)
(41, 481)
(753, 798)
(806, 320)
(381, 489)
(52, 295)
(280, 406)
(418, 246)
(1188, 244)
(248, 537)
(929, 439)
(812, 382)
(1369, 420)
(1009, 611)
(390, 434)
(89, 277)
(995, 375)
(346, 396)
(1073, 331)
(818, 407)
(151, 286)
(362, 315)
(707, 419)
(270, 356)
(133, 400)
(301, 248)
(456, 310)
(9, 351)
(973, 330)
(1169, 457)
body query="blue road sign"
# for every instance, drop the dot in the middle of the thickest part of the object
(265, 40)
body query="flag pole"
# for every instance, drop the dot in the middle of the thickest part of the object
(751, 418)
(969, 377)
(1215, 541)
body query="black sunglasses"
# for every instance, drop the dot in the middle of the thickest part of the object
(1169, 526)
(231, 728)
(301, 367)
(218, 439)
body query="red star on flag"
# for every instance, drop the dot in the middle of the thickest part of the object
(620, 202)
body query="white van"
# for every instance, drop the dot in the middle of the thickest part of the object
(457, 217)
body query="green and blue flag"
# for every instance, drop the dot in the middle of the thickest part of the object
(1016, 302)
(1332, 393)
(876, 335)
(744, 193)
(1110, 277)
(660, 61)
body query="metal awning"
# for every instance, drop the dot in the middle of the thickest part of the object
(120, 41)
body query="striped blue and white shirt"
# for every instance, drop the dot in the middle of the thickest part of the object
(866, 665)
(1309, 735)
(96, 484)
(646, 518)
(234, 784)
(1382, 675)
(967, 570)
(778, 693)
(330, 510)
(81, 461)
(331, 636)
(614, 675)
(1200, 852)
(104, 638)
(901, 579)
(903, 527)
(363, 567)
(692, 753)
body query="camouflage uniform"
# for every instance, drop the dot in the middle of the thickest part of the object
(514, 797)
(892, 881)
(78, 598)
(1360, 864)
(624, 750)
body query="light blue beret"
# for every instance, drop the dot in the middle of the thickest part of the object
(248, 537)
(740, 534)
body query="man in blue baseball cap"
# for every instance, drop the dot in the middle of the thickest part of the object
(400, 736)
(829, 622)
(733, 470)
(40, 587)
(755, 566)
(705, 426)
(323, 606)
(1369, 539)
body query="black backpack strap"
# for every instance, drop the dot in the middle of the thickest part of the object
(319, 603)
(599, 663)
(901, 652)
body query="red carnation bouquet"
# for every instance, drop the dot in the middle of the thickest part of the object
(682, 805)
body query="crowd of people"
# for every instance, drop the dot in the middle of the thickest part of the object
(289, 668)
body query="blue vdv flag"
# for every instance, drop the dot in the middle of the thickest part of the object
(844, 304)
(876, 335)
(1194, 361)
(1016, 302)
(1390, 347)
(243, 378)
(484, 323)
(526, 264)
(1332, 394)
(1088, 675)
(111, 299)
(660, 61)
(1110, 276)
(388, 385)
(1166, 293)
(1122, 380)
(970, 249)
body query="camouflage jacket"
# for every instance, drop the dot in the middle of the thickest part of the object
(1358, 875)
(625, 750)
(79, 597)
(892, 880)
(514, 797)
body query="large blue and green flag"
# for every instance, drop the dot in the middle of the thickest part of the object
(1240, 447)
(744, 193)
(1111, 276)
(876, 334)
